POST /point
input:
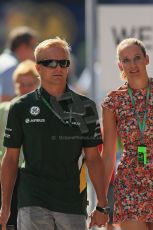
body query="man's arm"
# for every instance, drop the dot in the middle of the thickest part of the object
(8, 176)
(95, 170)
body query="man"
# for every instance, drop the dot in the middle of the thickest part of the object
(53, 125)
(25, 80)
(20, 45)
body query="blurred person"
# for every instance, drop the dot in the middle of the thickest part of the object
(85, 83)
(19, 47)
(128, 113)
(25, 80)
(53, 125)
(72, 73)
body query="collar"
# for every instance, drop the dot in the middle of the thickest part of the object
(42, 92)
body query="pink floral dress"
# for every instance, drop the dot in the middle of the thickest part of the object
(133, 183)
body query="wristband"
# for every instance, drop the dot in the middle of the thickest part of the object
(105, 210)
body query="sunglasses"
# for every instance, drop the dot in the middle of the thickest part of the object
(54, 63)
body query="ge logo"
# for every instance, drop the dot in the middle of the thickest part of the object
(34, 110)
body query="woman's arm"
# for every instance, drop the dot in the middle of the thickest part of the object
(109, 146)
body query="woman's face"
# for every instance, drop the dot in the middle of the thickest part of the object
(132, 61)
(25, 84)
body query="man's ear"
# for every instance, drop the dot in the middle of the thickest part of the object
(37, 67)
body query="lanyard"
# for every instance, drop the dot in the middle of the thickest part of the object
(51, 109)
(142, 124)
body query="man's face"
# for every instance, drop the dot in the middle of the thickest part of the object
(53, 75)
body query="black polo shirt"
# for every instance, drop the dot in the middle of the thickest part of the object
(52, 134)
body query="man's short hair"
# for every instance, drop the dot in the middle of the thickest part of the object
(20, 35)
(52, 42)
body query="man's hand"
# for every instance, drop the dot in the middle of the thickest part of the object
(98, 219)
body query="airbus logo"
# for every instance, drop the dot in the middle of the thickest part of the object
(27, 120)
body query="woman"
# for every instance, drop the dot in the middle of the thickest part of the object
(128, 113)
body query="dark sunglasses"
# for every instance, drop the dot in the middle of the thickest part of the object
(54, 63)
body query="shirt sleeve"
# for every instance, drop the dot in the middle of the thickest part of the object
(13, 135)
(109, 102)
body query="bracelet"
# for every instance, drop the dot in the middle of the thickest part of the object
(105, 210)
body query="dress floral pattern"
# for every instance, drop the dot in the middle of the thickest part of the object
(133, 182)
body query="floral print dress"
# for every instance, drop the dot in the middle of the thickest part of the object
(133, 188)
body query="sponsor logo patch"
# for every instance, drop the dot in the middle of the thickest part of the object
(34, 110)
(28, 120)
